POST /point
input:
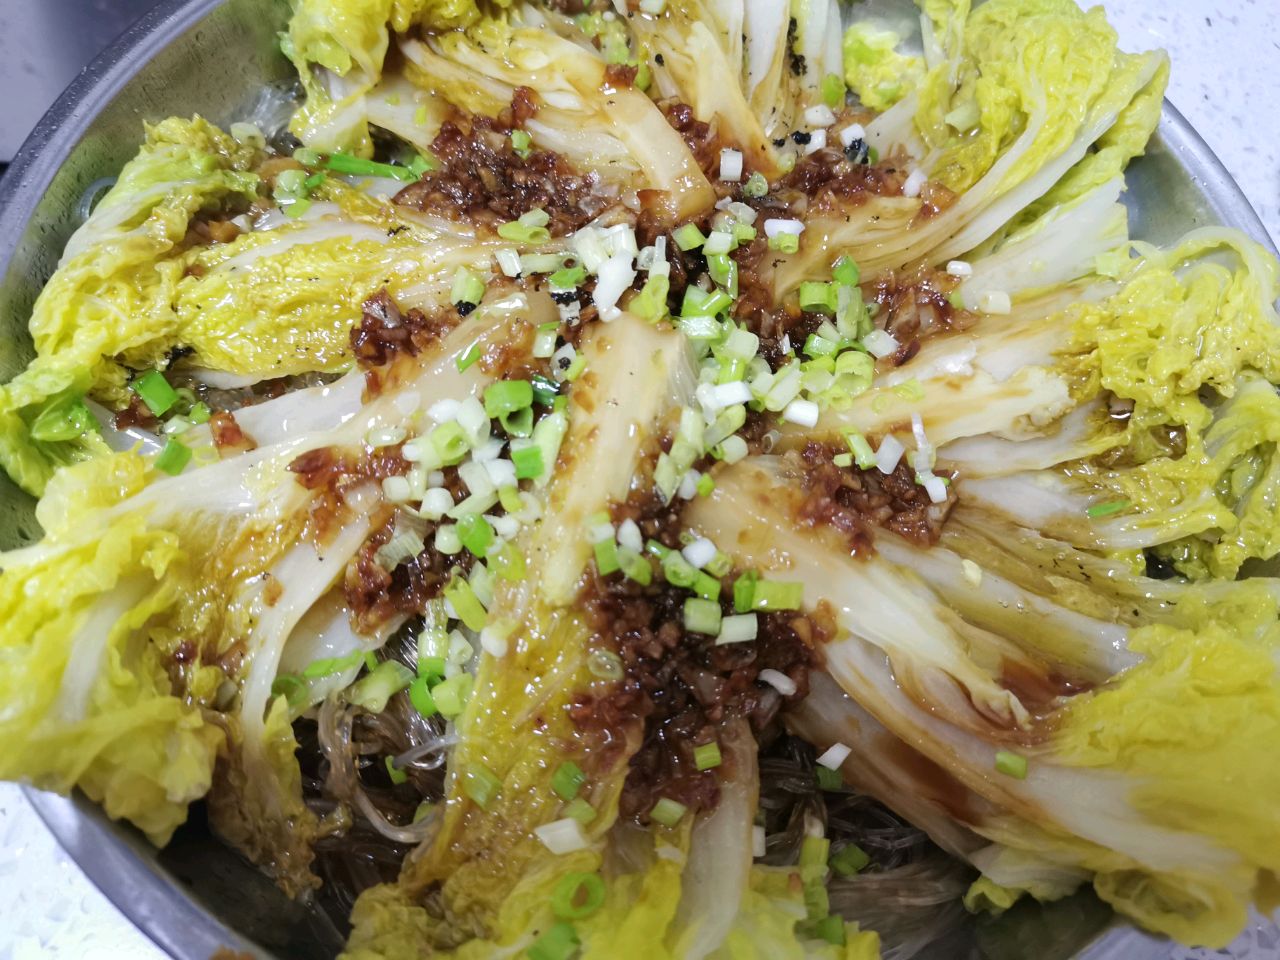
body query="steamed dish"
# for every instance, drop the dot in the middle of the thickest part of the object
(694, 480)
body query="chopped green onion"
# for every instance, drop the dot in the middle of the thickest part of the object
(466, 604)
(359, 167)
(576, 366)
(154, 390)
(449, 442)
(1011, 764)
(607, 557)
(559, 942)
(545, 390)
(688, 237)
(374, 690)
(328, 666)
(476, 534)
(580, 810)
(420, 693)
(817, 297)
(548, 435)
(1099, 510)
(451, 695)
(706, 586)
(848, 860)
(845, 271)
(634, 566)
(471, 355)
(467, 287)
(605, 664)
(678, 571)
(518, 423)
(744, 592)
(756, 185)
(480, 784)
(507, 396)
(833, 97)
(568, 780)
(544, 342)
(719, 565)
(568, 278)
(667, 812)
(776, 595)
(200, 413)
(817, 901)
(738, 629)
(831, 929)
(528, 461)
(520, 141)
(724, 272)
(64, 420)
(705, 485)
(397, 775)
(651, 302)
(424, 809)
(828, 779)
(509, 563)
(577, 895)
(173, 458)
(707, 756)
(861, 450)
(819, 346)
(843, 460)
(290, 687)
(530, 228)
(813, 856)
(420, 164)
(702, 616)
(784, 242)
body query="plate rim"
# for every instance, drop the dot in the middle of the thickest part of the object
(111, 854)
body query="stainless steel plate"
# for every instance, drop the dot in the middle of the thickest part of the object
(214, 57)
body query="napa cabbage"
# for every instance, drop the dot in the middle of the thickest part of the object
(1188, 344)
(491, 869)
(1108, 796)
(88, 698)
(1018, 93)
(615, 131)
(110, 293)
(144, 632)
(338, 48)
(875, 70)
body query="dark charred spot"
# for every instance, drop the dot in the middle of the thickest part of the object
(464, 308)
(801, 137)
(177, 353)
(796, 60)
(564, 297)
(857, 151)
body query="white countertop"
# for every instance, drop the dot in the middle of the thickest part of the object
(1224, 80)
